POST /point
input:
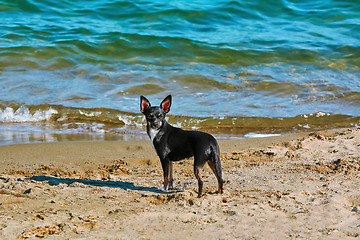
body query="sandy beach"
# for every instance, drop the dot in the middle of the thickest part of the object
(295, 186)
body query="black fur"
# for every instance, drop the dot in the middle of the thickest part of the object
(174, 144)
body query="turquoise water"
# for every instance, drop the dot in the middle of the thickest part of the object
(221, 60)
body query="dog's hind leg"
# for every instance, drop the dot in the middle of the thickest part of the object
(199, 162)
(215, 165)
(216, 168)
(197, 171)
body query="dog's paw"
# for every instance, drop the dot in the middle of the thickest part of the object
(162, 189)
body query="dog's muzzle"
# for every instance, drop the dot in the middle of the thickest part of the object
(156, 124)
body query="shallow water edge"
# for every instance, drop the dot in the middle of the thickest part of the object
(54, 123)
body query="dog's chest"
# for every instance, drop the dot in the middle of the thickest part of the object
(162, 149)
(152, 134)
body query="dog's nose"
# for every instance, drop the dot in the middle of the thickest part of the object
(156, 124)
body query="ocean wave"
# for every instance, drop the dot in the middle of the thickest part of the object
(171, 51)
(103, 120)
(23, 114)
(44, 123)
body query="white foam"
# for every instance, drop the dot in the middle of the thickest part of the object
(92, 114)
(85, 127)
(318, 114)
(304, 126)
(23, 114)
(137, 121)
(194, 123)
(321, 114)
(259, 135)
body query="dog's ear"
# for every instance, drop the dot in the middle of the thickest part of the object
(166, 103)
(144, 104)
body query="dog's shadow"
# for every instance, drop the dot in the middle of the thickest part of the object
(97, 183)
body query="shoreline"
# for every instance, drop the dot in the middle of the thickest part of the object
(56, 123)
(293, 186)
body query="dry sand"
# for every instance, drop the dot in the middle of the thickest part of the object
(297, 186)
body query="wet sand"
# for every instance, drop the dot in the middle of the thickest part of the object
(296, 186)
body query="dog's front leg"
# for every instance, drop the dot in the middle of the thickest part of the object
(171, 179)
(167, 168)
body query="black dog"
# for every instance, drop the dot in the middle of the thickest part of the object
(173, 144)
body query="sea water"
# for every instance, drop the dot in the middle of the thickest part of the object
(77, 68)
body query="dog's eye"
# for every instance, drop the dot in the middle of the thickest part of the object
(151, 115)
(159, 115)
